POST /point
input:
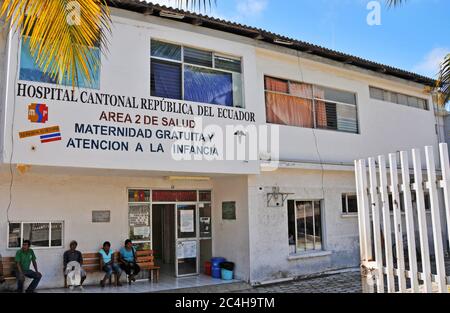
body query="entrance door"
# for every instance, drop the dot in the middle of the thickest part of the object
(187, 240)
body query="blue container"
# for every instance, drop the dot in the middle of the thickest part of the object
(215, 267)
(216, 272)
(227, 275)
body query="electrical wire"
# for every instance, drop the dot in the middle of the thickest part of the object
(11, 170)
(316, 140)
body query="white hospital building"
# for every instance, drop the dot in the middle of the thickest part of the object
(161, 147)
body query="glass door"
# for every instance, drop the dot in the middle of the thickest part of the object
(186, 241)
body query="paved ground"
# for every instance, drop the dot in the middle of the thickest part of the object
(347, 282)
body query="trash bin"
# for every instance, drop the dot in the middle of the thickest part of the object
(227, 270)
(226, 274)
(208, 266)
(215, 267)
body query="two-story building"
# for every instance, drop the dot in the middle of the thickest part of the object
(197, 138)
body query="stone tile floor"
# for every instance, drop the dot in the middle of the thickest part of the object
(344, 282)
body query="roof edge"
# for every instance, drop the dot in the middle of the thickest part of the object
(266, 36)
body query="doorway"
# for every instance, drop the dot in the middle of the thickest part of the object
(175, 224)
(163, 234)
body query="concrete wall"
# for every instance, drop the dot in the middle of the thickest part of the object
(231, 238)
(3, 73)
(270, 258)
(43, 197)
(384, 127)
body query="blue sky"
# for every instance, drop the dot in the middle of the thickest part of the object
(413, 37)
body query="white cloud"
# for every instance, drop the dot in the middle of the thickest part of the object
(431, 63)
(251, 7)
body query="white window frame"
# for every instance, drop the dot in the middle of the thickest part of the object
(36, 222)
(183, 64)
(57, 83)
(314, 101)
(397, 94)
(346, 212)
(306, 252)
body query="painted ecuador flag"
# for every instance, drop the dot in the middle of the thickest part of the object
(56, 136)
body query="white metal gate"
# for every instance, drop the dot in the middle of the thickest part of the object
(401, 199)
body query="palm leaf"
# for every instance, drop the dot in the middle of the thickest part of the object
(444, 81)
(63, 50)
(192, 4)
(394, 3)
(61, 46)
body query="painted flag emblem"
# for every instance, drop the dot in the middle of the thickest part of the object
(51, 137)
(38, 113)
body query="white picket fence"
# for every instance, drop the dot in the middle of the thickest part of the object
(386, 206)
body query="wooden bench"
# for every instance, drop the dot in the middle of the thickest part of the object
(146, 261)
(9, 267)
(93, 263)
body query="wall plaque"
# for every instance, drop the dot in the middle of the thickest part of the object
(229, 210)
(101, 216)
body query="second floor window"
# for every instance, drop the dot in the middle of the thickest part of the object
(30, 71)
(304, 105)
(185, 73)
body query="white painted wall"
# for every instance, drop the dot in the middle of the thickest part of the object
(231, 238)
(125, 71)
(257, 241)
(42, 197)
(384, 127)
(269, 257)
(3, 63)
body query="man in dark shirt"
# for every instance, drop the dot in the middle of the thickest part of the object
(73, 255)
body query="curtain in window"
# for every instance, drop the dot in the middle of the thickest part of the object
(301, 90)
(287, 110)
(321, 114)
(166, 79)
(208, 86)
(277, 85)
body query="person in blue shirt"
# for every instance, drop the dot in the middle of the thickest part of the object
(107, 255)
(128, 262)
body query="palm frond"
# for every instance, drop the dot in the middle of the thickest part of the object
(193, 4)
(394, 3)
(61, 45)
(444, 80)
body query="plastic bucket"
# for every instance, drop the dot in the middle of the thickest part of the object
(215, 267)
(216, 272)
(229, 266)
(215, 262)
(227, 275)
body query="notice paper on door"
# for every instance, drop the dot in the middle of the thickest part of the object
(187, 221)
(186, 250)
